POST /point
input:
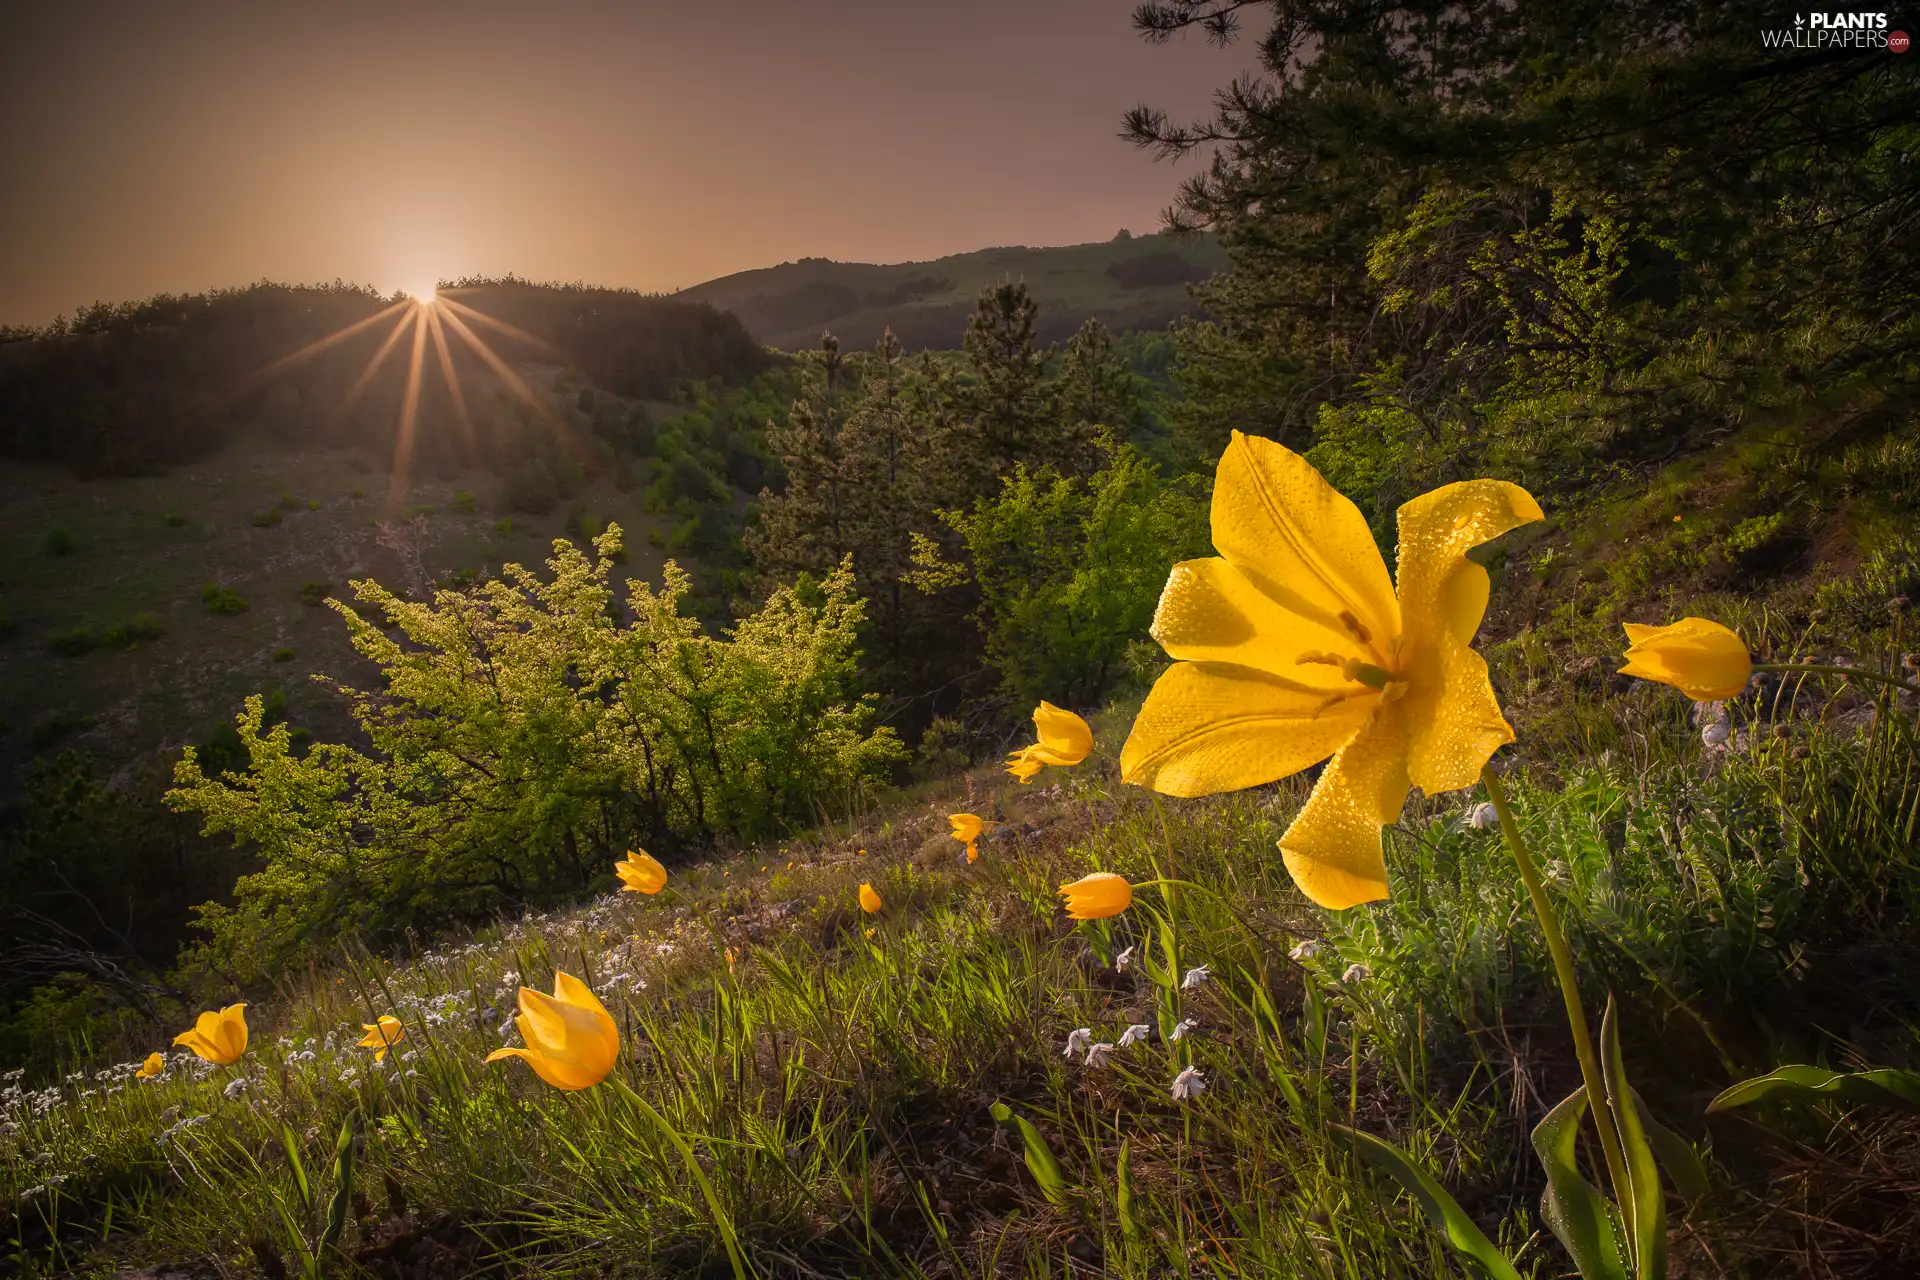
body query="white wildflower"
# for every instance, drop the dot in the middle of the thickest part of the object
(1716, 735)
(1189, 1083)
(1181, 1029)
(236, 1087)
(1098, 1054)
(1121, 961)
(1304, 951)
(1077, 1039)
(1482, 816)
(1196, 977)
(411, 1073)
(1356, 972)
(1135, 1034)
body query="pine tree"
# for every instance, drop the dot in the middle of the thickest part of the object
(1094, 391)
(1006, 405)
(803, 528)
(884, 444)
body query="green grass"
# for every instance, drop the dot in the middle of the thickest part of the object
(1747, 905)
(149, 544)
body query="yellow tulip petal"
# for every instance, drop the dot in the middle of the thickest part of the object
(559, 1075)
(1333, 848)
(1454, 717)
(1065, 739)
(570, 990)
(1211, 612)
(1302, 543)
(1208, 727)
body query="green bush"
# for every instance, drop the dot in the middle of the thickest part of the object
(174, 520)
(125, 635)
(266, 519)
(74, 643)
(461, 804)
(465, 503)
(312, 505)
(283, 655)
(503, 527)
(1069, 571)
(290, 502)
(315, 593)
(222, 600)
(58, 542)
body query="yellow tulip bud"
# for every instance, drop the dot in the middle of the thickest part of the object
(218, 1037)
(640, 873)
(1701, 659)
(870, 902)
(382, 1035)
(153, 1066)
(1097, 896)
(572, 1042)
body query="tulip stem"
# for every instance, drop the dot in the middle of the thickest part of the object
(1166, 838)
(1562, 955)
(1817, 669)
(672, 1135)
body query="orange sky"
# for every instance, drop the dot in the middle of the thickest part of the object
(187, 144)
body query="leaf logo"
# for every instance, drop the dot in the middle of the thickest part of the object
(1799, 21)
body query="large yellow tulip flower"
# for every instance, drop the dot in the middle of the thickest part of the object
(218, 1037)
(1294, 645)
(572, 1042)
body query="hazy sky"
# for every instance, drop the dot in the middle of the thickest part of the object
(177, 145)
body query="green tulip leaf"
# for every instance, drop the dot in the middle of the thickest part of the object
(1041, 1163)
(1442, 1209)
(1123, 1179)
(1884, 1087)
(1578, 1215)
(1675, 1154)
(1648, 1219)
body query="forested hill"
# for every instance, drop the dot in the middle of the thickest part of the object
(1127, 283)
(124, 388)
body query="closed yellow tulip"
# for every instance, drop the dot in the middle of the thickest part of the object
(1294, 645)
(1065, 740)
(1701, 659)
(153, 1066)
(1097, 896)
(382, 1035)
(640, 872)
(870, 902)
(572, 1042)
(218, 1037)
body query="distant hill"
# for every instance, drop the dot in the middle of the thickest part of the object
(123, 389)
(1137, 282)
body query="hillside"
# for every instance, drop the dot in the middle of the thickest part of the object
(1137, 282)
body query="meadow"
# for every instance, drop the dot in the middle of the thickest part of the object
(900, 1092)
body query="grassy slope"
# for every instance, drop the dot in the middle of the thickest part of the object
(1749, 907)
(128, 560)
(1069, 282)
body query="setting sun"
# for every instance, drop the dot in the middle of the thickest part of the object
(423, 294)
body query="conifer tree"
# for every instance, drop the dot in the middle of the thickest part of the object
(1094, 390)
(884, 445)
(1006, 405)
(803, 528)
